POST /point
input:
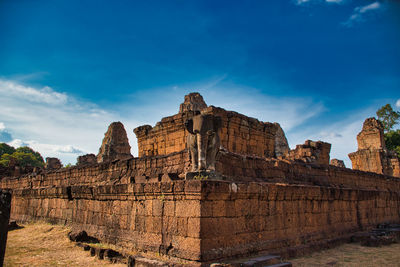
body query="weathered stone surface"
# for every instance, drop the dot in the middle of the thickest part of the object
(238, 133)
(337, 163)
(203, 141)
(371, 135)
(193, 102)
(281, 143)
(53, 164)
(115, 144)
(311, 152)
(372, 154)
(87, 159)
(5, 205)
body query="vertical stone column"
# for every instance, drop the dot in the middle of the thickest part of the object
(5, 205)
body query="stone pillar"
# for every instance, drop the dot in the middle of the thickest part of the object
(5, 205)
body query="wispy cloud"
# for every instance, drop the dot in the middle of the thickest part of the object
(398, 103)
(302, 2)
(290, 112)
(361, 13)
(52, 122)
(44, 95)
(49, 149)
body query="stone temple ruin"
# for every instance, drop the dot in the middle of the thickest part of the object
(211, 185)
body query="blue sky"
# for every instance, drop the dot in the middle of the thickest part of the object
(69, 68)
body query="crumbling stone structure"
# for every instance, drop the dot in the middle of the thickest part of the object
(254, 202)
(87, 159)
(372, 154)
(53, 164)
(115, 144)
(311, 152)
(238, 133)
(338, 163)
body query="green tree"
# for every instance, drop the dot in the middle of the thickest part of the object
(23, 156)
(27, 159)
(392, 141)
(388, 117)
(6, 149)
(28, 150)
(5, 159)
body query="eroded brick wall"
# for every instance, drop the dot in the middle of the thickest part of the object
(157, 217)
(209, 220)
(237, 167)
(117, 172)
(244, 218)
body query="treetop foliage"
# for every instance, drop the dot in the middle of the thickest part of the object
(22, 156)
(4, 148)
(389, 119)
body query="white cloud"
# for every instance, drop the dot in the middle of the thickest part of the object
(398, 103)
(301, 2)
(360, 13)
(18, 143)
(43, 95)
(2, 126)
(335, 1)
(61, 126)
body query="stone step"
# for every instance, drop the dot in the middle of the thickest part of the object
(261, 261)
(282, 264)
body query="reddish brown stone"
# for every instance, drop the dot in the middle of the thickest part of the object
(115, 144)
(372, 154)
(311, 152)
(53, 164)
(87, 159)
(337, 163)
(193, 102)
(238, 134)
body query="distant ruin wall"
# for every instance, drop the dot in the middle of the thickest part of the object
(117, 172)
(238, 134)
(208, 220)
(236, 167)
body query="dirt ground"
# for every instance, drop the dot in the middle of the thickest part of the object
(42, 244)
(353, 255)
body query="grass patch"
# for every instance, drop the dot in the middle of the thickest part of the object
(352, 255)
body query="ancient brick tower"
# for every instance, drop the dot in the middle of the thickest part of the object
(372, 154)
